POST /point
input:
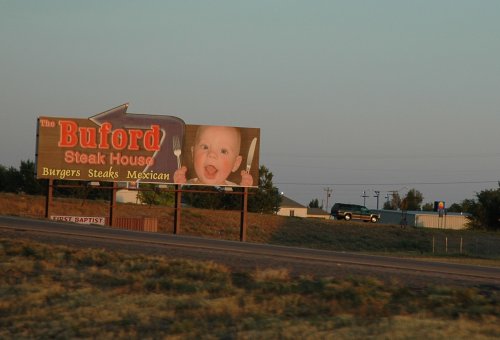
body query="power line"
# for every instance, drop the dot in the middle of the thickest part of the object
(397, 184)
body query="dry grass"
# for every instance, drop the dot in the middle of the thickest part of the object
(219, 224)
(288, 231)
(61, 292)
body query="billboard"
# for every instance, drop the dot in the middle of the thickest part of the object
(219, 156)
(116, 146)
(439, 205)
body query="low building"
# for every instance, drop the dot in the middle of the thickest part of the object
(289, 207)
(425, 219)
(127, 193)
(127, 196)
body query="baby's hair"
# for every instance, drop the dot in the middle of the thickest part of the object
(202, 128)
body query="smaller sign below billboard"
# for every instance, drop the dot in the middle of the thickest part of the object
(80, 219)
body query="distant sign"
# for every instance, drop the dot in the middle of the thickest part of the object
(80, 219)
(439, 205)
(116, 146)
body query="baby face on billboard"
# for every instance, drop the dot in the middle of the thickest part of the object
(216, 154)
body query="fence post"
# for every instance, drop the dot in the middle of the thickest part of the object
(461, 244)
(433, 244)
(446, 242)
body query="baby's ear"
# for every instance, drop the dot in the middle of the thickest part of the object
(237, 163)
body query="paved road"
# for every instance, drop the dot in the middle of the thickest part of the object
(250, 255)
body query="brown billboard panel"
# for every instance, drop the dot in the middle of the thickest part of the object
(116, 146)
(113, 146)
(219, 156)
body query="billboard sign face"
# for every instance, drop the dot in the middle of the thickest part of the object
(111, 146)
(439, 206)
(116, 146)
(219, 156)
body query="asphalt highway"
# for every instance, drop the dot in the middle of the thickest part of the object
(299, 261)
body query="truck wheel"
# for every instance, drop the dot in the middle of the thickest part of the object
(374, 219)
(347, 217)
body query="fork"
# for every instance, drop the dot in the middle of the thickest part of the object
(176, 146)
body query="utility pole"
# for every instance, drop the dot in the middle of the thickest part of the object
(328, 192)
(364, 197)
(377, 195)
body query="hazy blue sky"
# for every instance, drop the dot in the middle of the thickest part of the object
(350, 95)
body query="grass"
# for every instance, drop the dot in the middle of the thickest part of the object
(62, 292)
(288, 231)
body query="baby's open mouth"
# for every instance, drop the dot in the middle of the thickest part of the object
(210, 171)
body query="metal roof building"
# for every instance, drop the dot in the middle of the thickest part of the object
(425, 219)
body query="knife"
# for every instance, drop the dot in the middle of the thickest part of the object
(251, 151)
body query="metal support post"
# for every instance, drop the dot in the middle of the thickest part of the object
(112, 203)
(244, 214)
(177, 209)
(48, 197)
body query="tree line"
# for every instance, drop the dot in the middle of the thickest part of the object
(484, 210)
(263, 199)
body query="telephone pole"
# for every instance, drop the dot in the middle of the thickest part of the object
(328, 192)
(377, 195)
(364, 197)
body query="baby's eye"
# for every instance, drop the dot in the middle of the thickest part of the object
(203, 146)
(224, 151)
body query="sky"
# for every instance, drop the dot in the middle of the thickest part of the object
(350, 96)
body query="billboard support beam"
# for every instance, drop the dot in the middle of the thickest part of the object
(112, 203)
(244, 215)
(177, 209)
(48, 197)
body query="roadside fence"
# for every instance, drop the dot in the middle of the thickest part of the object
(475, 246)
